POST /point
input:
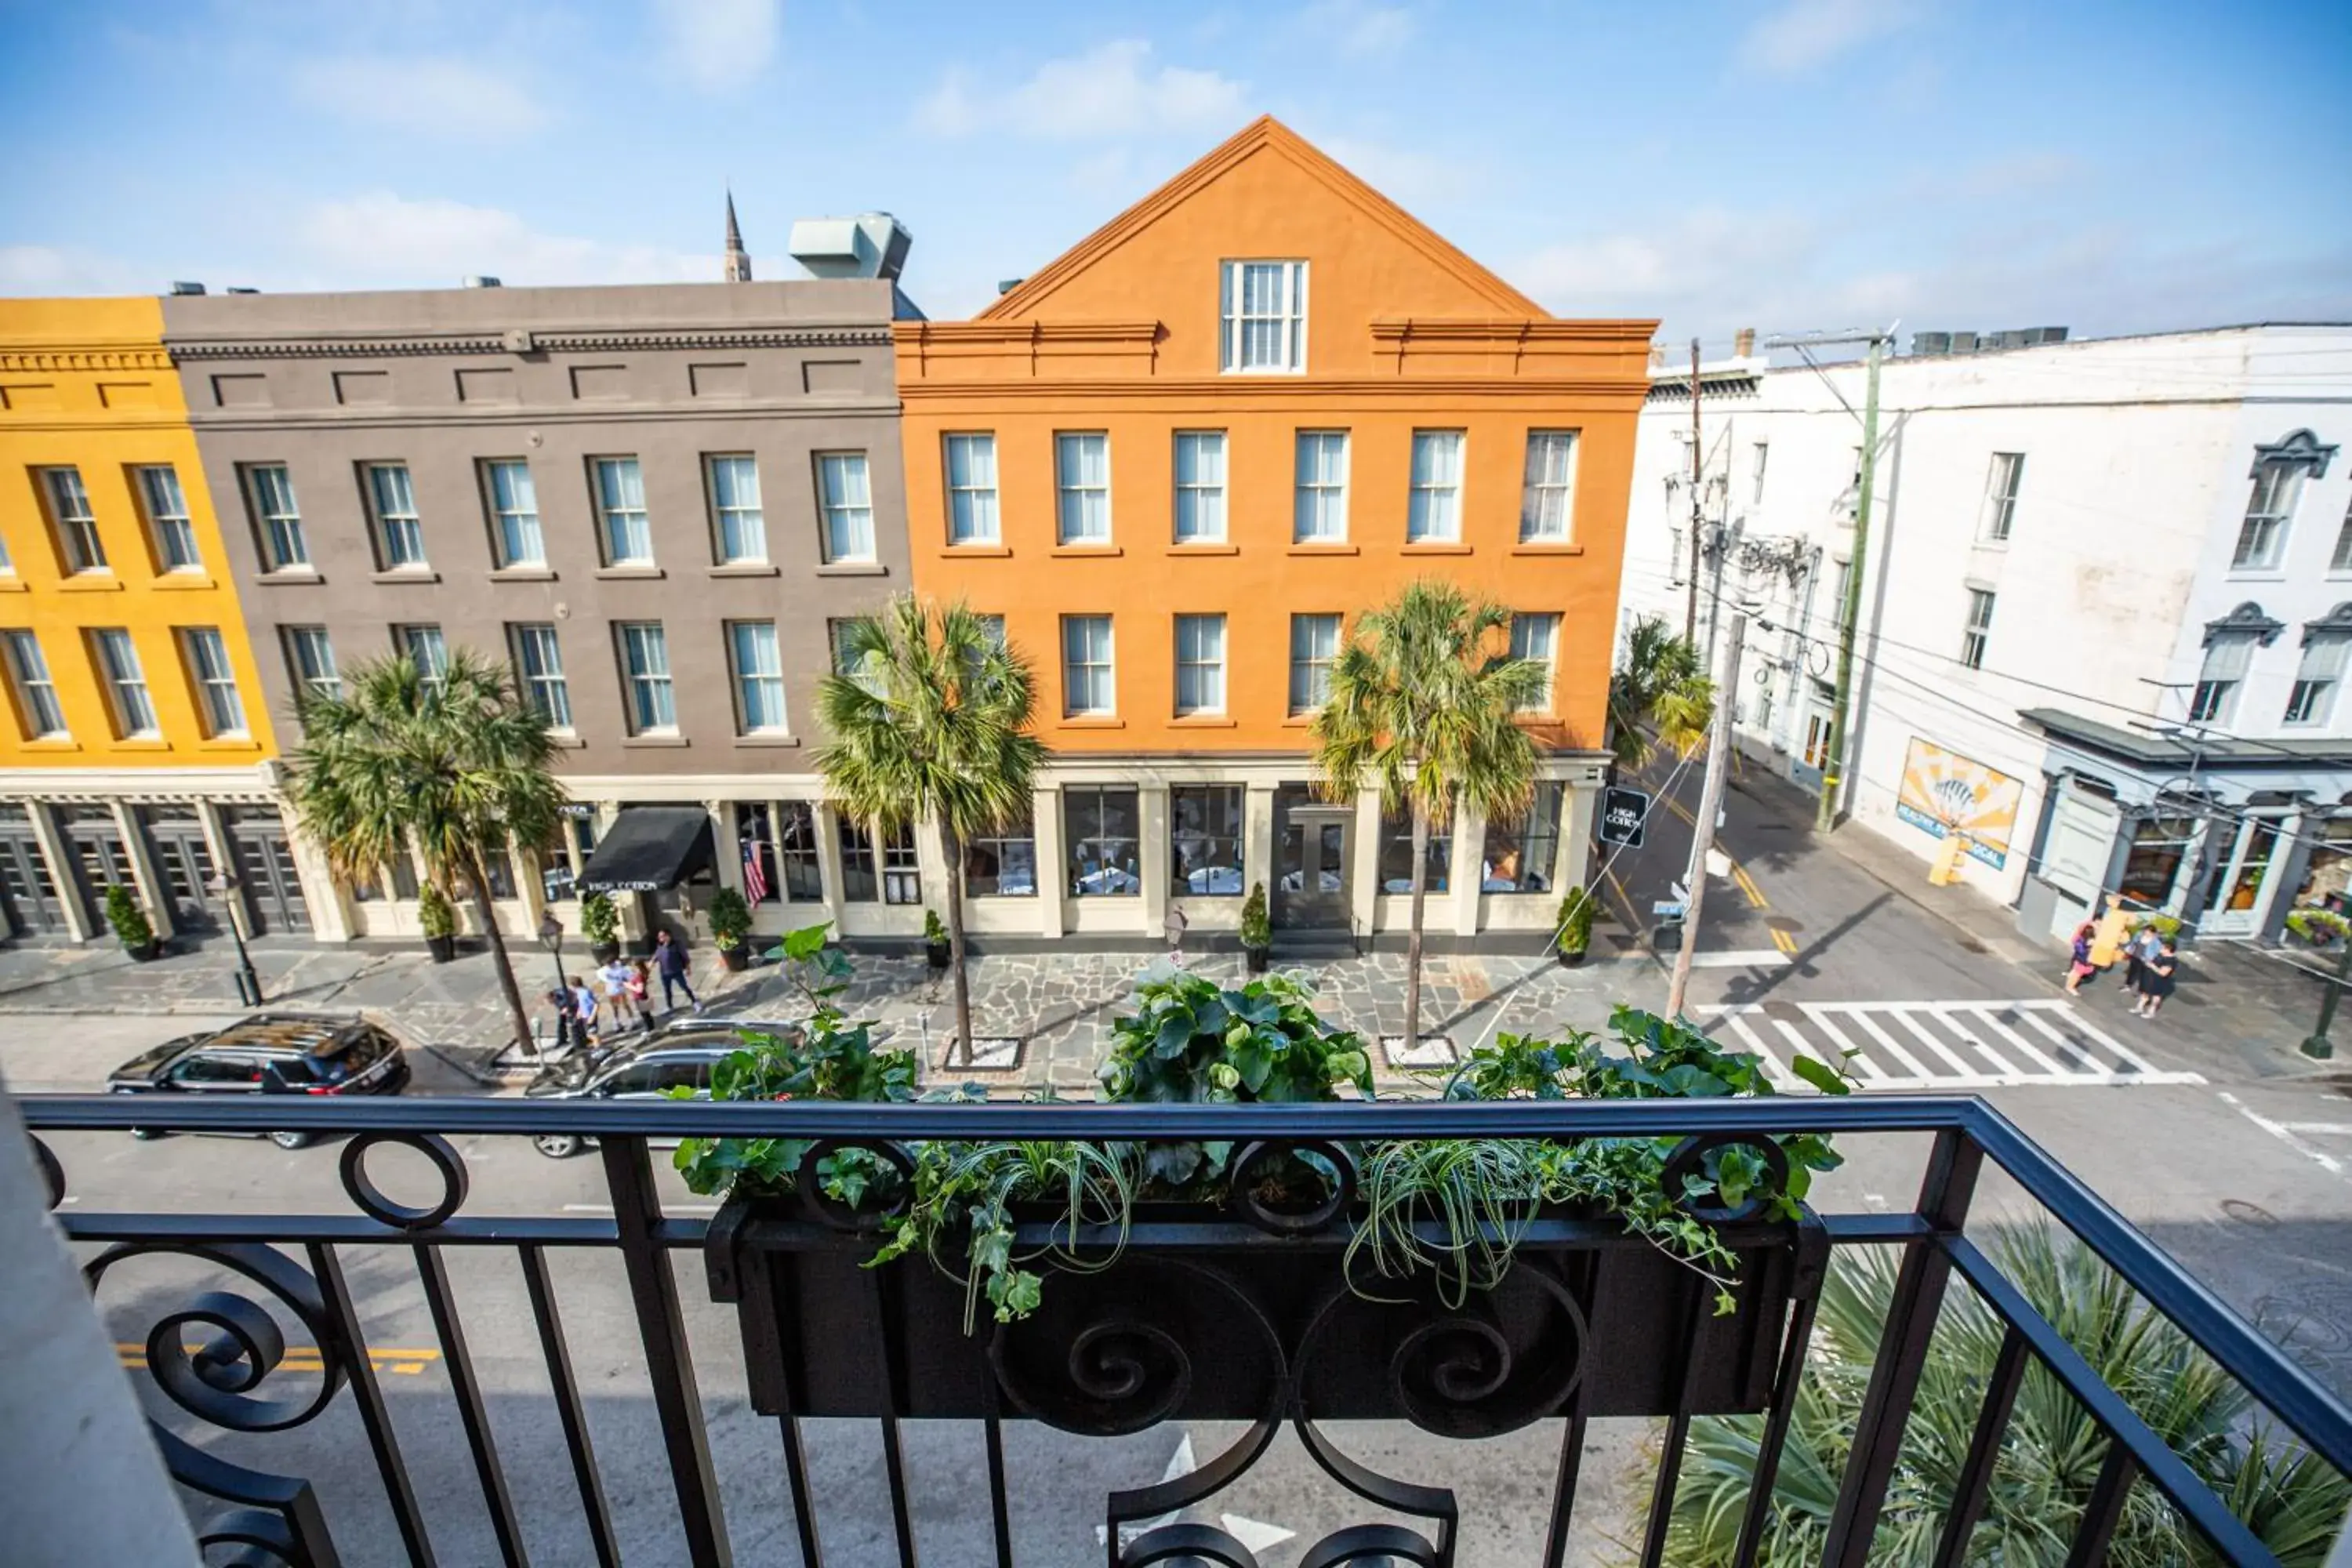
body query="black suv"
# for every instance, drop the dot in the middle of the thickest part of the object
(270, 1053)
(678, 1056)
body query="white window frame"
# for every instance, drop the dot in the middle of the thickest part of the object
(511, 494)
(126, 684)
(1073, 489)
(1535, 634)
(426, 646)
(844, 495)
(1286, 316)
(399, 534)
(768, 680)
(1433, 506)
(1315, 494)
(973, 516)
(36, 693)
(1309, 661)
(223, 706)
(538, 654)
(1548, 488)
(1088, 665)
(310, 660)
(2318, 680)
(738, 528)
(166, 506)
(2222, 678)
(625, 527)
(284, 547)
(1763, 455)
(1201, 658)
(1199, 516)
(1975, 629)
(646, 680)
(2003, 480)
(2338, 564)
(2270, 513)
(74, 524)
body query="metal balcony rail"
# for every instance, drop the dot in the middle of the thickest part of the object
(1559, 1348)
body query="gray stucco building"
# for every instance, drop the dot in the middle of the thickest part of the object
(652, 499)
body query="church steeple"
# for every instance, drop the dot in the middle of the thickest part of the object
(739, 260)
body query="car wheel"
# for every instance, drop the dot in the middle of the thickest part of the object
(290, 1140)
(148, 1134)
(557, 1145)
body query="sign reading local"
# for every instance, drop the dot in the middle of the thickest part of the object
(1622, 812)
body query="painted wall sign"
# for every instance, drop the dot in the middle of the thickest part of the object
(1945, 792)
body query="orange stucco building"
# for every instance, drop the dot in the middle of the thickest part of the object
(1181, 459)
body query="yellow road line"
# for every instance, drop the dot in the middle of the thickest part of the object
(1748, 886)
(1784, 942)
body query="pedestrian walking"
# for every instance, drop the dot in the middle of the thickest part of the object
(567, 1027)
(583, 1010)
(2158, 983)
(614, 978)
(2144, 946)
(641, 994)
(670, 964)
(2080, 968)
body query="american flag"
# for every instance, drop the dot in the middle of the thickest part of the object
(755, 875)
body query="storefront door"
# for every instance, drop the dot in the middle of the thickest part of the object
(28, 894)
(2234, 898)
(1310, 867)
(265, 867)
(184, 860)
(94, 843)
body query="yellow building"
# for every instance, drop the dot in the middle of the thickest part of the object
(136, 749)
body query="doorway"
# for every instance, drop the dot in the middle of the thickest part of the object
(184, 858)
(2234, 898)
(28, 897)
(100, 859)
(265, 869)
(1313, 845)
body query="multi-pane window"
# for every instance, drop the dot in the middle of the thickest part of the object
(2342, 560)
(1100, 824)
(620, 491)
(1519, 850)
(1204, 841)
(1088, 682)
(76, 526)
(277, 521)
(758, 677)
(1314, 647)
(846, 497)
(36, 695)
(1978, 631)
(1433, 512)
(224, 709)
(399, 532)
(902, 876)
(1536, 636)
(539, 666)
(1322, 494)
(1200, 663)
(312, 659)
(972, 490)
(848, 663)
(427, 648)
(2220, 679)
(167, 519)
(2312, 699)
(644, 669)
(1002, 863)
(2007, 473)
(1082, 486)
(126, 684)
(1763, 452)
(1547, 501)
(1262, 307)
(2261, 538)
(883, 865)
(1396, 856)
(514, 512)
(1200, 486)
(796, 845)
(755, 839)
(740, 526)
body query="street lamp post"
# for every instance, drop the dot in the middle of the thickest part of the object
(248, 984)
(550, 937)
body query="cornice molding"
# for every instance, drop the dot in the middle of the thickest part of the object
(1265, 389)
(525, 341)
(459, 417)
(84, 357)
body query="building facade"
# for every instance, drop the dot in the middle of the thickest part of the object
(138, 745)
(2106, 613)
(1178, 462)
(652, 501)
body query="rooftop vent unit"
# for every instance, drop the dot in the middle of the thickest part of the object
(233, 288)
(481, 280)
(1006, 285)
(871, 244)
(1931, 343)
(186, 289)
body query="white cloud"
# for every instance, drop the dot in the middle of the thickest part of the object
(428, 95)
(719, 44)
(1357, 27)
(383, 240)
(1112, 89)
(1803, 34)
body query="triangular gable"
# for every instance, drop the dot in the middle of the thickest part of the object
(1264, 133)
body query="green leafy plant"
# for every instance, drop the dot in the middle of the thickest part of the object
(2165, 926)
(730, 919)
(132, 927)
(2318, 927)
(600, 919)
(1574, 929)
(436, 916)
(1659, 696)
(934, 932)
(1257, 931)
(2051, 1455)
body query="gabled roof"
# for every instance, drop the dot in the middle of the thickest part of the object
(1266, 133)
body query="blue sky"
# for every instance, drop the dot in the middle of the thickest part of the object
(1785, 163)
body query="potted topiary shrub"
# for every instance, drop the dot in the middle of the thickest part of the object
(131, 924)
(1573, 934)
(730, 922)
(1257, 932)
(437, 919)
(600, 921)
(937, 950)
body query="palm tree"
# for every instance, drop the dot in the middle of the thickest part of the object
(1660, 694)
(457, 765)
(1424, 705)
(928, 719)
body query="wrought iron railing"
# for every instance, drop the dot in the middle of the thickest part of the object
(1237, 1317)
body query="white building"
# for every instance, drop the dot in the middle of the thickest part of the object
(2107, 607)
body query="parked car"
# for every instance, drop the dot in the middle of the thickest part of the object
(676, 1056)
(270, 1052)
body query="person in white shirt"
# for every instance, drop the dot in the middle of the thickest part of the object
(615, 977)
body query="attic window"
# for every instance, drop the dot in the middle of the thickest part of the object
(1262, 317)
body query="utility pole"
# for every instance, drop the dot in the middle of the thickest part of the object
(2317, 1045)
(1710, 802)
(1850, 613)
(1690, 607)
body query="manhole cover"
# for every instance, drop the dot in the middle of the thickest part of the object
(1784, 923)
(2249, 1213)
(995, 1053)
(1428, 1051)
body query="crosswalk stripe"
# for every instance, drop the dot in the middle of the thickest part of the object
(1798, 1048)
(1992, 1021)
(1964, 1022)
(1779, 1075)
(1926, 1046)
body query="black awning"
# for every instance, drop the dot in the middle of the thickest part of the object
(648, 849)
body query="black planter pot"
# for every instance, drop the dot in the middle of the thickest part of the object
(1257, 958)
(733, 959)
(145, 953)
(442, 948)
(1568, 960)
(937, 953)
(603, 953)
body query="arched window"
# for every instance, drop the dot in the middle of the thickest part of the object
(2279, 472)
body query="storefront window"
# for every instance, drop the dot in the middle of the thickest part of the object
(756, 848)
(858, 882)
(1519, 851)
(2159, 843)
(2325, 878)
(1396, 856)
(1102, 826)
(796, 843)
(1003, 864)
(1204, 841)
(902, 878)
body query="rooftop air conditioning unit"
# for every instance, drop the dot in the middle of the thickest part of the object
(185, 288)
(1931, 343)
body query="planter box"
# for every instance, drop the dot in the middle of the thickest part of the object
(733, 959)
(937, 955)
(443, 948)
(1205, 1316)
